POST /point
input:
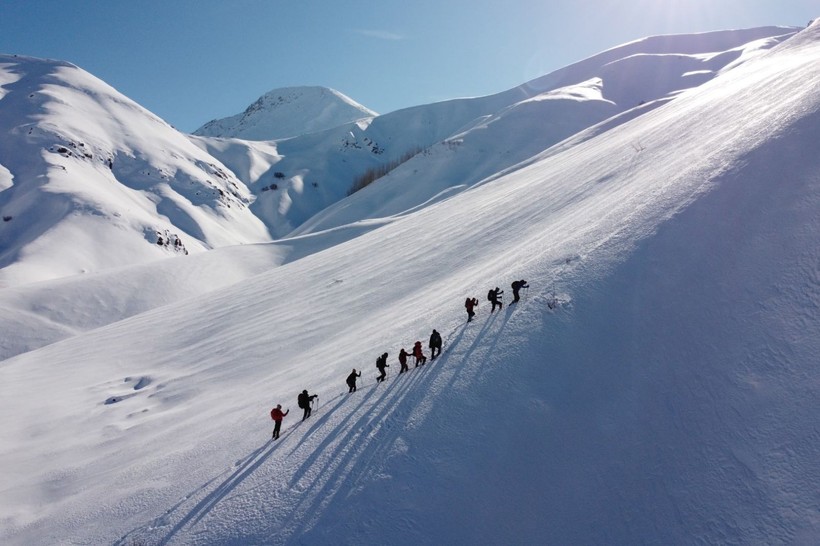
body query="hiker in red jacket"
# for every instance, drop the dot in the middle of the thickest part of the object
(277, 416)
(420, 358)
(470, 304)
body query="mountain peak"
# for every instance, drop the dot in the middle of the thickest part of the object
(287, 112)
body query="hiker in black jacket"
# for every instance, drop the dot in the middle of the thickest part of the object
(381, 364)
(351, 380)
(305, 401)
(435, 344)
(495, 298)
(516, 286)
(403, 354)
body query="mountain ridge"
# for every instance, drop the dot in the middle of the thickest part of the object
(287, 112)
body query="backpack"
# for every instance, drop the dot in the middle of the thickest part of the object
(491, 295)
(302, 400)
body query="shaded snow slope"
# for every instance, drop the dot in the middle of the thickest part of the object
(670, 396)
(95, 181)
(288, 112)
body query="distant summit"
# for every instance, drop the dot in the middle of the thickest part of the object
(288, 112)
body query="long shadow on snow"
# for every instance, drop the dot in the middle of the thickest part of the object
(357, 449)
(351, 448)
(348, 467)
(244, 468)
(317, 423)
(353, 428)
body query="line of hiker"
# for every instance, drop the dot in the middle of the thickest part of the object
(305, 400)
(494, 296)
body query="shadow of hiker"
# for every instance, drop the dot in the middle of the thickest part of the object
(359, 440)
(339, 447)
(331, 437)
(315, 424)
(507, 314)
(248, 465)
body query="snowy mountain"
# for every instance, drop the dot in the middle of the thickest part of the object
(288, 112)
(127, 188)
(296, 186)
(455, 144)
(657, 383)
(94, 181)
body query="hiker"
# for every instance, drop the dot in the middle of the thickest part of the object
(417, 352)
(381, 364)
(277, 416)
(435, 343)
(516, 286)
(351, 380)
(470, 304)
(403, 361)
(495, 296)
(305, 401)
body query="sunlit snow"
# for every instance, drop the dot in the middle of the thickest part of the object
(657, 383)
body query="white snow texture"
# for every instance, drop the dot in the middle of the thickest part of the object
(658, 383)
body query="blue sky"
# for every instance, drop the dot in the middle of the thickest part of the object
(190, 61)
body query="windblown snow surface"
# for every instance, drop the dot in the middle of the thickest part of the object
(657, 384)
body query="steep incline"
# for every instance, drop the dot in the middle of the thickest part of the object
(671, 394)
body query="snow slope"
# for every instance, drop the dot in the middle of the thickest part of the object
(295, 186)
(87, 165)
(462, 141)
(288, 112)
(78, 160)
(670, 396)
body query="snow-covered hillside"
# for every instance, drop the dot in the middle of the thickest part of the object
(81, 161)
(288, 112)
(94, 181)
(457, 143)
(656, 384)
(117, 180)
